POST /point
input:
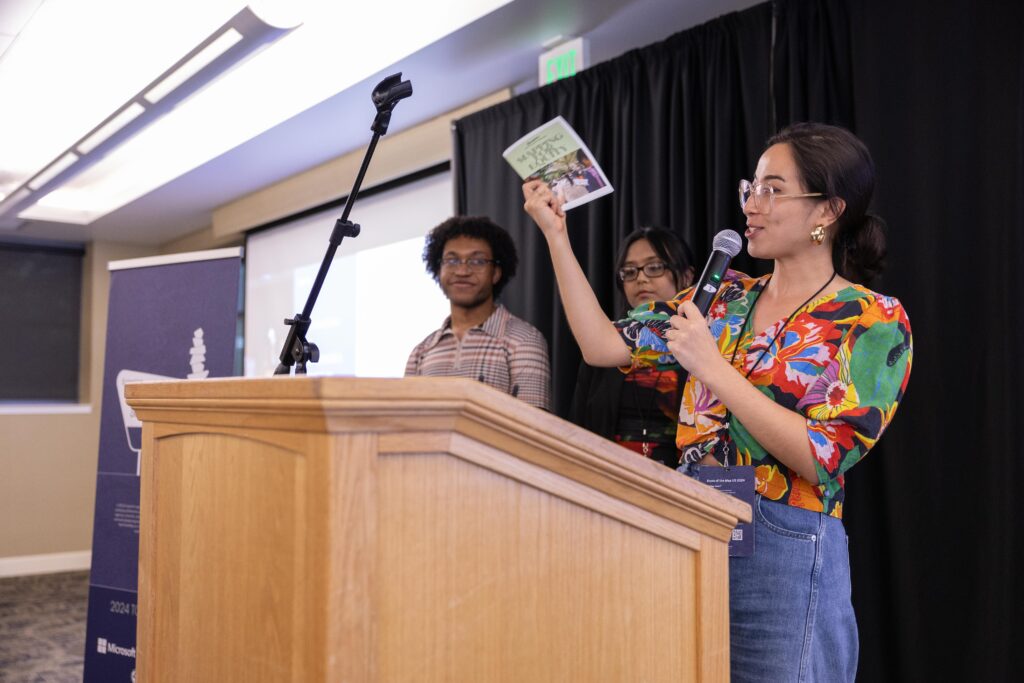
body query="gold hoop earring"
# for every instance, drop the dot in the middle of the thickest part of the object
(818, 234)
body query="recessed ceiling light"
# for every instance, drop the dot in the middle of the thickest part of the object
(116, 123)
(52, 171)
(194, 65)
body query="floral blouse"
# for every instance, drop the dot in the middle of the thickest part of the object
(842, 362)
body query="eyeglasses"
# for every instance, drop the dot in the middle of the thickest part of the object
(765, 195)
(474, 262)
(652, 270)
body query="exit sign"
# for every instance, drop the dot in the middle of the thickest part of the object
(563, 61)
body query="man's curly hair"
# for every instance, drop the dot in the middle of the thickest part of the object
(503, 249)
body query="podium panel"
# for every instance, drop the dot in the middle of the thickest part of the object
(423, 529)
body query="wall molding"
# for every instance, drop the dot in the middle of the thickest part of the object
(44, 408)
(52, 563)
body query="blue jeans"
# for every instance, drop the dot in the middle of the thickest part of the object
(790, 613)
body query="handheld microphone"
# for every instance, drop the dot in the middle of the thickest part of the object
(726, 245)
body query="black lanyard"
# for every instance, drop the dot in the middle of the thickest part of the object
(739, 340)
(750, 316)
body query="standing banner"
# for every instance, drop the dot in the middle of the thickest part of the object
(170, 317)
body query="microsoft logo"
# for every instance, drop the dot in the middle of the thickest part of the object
(103, 646)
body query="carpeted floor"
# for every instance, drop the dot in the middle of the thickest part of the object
(42, 628)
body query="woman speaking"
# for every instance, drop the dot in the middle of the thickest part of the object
(796, 374)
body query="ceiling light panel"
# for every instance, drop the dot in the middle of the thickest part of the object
(194, 65)
(116, 123)
(53, 170)
(338, 45)
(242, 34)
(306, 67)
(76, 62)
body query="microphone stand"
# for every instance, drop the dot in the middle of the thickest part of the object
(297, 349)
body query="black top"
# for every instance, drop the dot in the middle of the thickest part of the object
(595, 402)
(606, 404)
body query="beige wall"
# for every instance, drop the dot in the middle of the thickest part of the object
(48, 461)
(201, 240)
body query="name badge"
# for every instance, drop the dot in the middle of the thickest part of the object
(737, 481)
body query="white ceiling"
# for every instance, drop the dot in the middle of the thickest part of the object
(498, 51)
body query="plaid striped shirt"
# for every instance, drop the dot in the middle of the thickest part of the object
(504, 351)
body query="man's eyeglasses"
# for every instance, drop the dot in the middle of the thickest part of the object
(764, 195)
(474, 262)
(652, 270)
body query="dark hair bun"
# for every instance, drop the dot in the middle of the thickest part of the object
(861, 256)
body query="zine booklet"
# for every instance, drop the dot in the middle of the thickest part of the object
(555, 154)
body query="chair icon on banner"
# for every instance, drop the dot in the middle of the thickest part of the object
(132, 424)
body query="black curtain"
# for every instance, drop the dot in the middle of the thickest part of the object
(936, 91)
(936, 539)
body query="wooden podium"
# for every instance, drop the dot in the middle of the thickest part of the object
(336, 529)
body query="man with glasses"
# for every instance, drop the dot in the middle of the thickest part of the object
(472, 259)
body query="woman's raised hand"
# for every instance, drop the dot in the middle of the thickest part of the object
(544, 207)
(597, 337)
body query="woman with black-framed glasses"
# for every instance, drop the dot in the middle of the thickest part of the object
(794, 375)
(639, 410)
